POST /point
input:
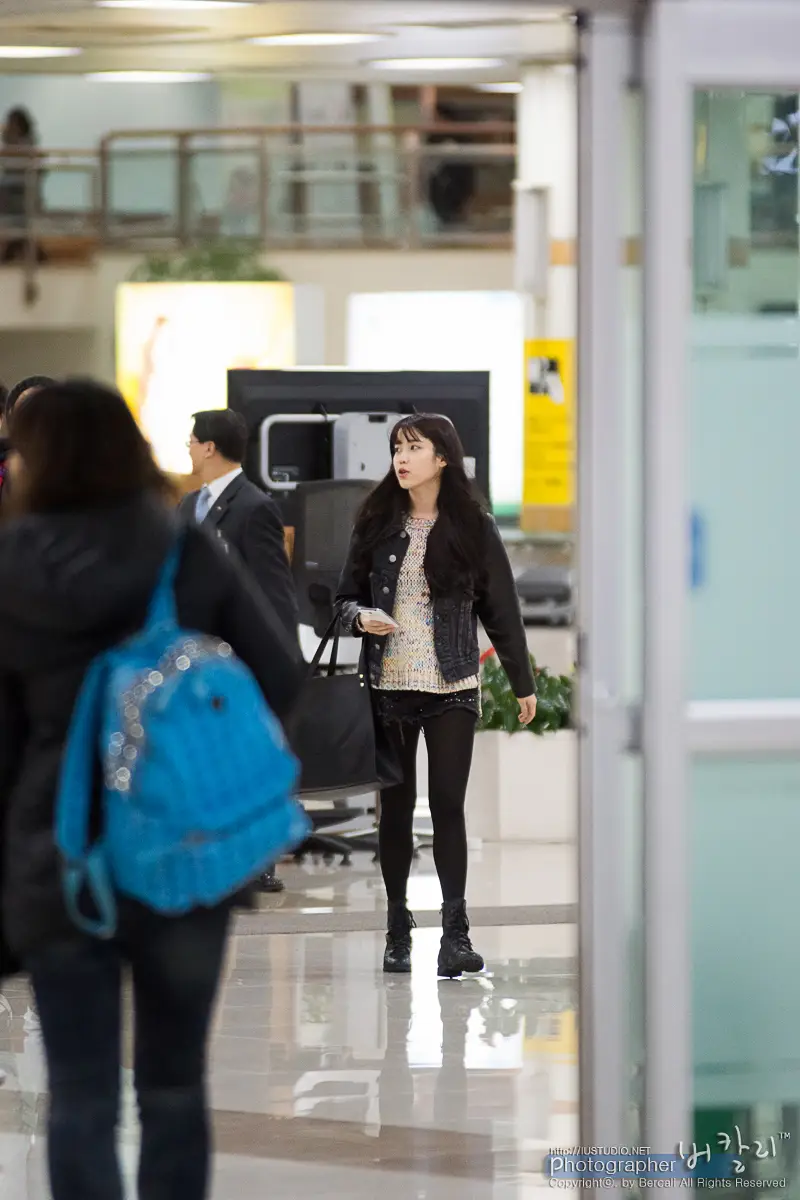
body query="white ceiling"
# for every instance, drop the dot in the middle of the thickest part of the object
(515, 31)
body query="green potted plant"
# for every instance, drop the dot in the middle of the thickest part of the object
(500, 708)
(210, 262)
(523, 787)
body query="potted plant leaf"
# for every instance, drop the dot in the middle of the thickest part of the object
(218, 262)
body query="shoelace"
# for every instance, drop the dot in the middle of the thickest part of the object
(401, 928)
(458, 932)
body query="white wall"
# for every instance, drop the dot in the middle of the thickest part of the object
(54, 352)
(76, 113)
(547, 158)
(473, 330)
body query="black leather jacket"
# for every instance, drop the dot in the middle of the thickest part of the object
(455, 617)
(72, 584)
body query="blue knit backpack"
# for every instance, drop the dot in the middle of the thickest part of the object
(198, 783)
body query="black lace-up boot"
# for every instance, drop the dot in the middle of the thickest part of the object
(397, 958)
(456, 954)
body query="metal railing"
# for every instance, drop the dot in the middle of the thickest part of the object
(286, 186)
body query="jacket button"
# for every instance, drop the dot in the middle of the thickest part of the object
(386, 591)
(404, 534)
(392, 558)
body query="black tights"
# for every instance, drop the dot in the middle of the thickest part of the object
(449, 738)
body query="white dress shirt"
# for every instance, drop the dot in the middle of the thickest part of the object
(218, 486)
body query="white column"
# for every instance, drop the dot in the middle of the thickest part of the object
(332, 195)
(247, 102)
(604, 49)
(547, 197)
(380, 111)
(668, 39)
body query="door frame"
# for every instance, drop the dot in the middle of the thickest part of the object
(603, 70)
(687, 45)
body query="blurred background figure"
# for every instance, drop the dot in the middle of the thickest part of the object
(18, 138)
(242, 516)
(451, 184)
(240, 217)
(90, 526)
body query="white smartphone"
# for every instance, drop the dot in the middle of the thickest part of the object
(377, 614)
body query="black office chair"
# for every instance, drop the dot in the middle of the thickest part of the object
(324, 515)
(325, 512)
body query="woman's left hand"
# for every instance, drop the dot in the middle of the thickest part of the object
(527, 709)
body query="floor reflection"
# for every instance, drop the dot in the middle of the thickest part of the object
(499, 875)
(329, 1078)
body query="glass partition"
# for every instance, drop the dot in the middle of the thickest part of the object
(744, 648)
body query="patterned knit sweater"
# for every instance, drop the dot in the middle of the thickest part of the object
(409, 659)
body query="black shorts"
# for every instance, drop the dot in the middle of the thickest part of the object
(411, 708)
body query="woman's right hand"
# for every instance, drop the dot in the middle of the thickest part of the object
(373, 627)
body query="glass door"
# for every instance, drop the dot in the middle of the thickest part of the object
(743, 634)
(721, 710)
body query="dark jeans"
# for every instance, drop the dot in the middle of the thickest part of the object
(175, 965)
(449, 735)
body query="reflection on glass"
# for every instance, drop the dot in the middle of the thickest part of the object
(746, 202)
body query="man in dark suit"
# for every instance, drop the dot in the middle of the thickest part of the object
(229, 505)
(243, 516)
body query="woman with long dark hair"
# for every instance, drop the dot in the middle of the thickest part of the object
(426, 554)
(82, 543)
(18, 141)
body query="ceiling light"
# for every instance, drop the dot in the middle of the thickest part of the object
(316, 39)
(438, 64)
(147, 77)
(38, 51)
(500, 89)
(175, 5)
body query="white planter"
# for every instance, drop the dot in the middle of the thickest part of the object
(524, 788)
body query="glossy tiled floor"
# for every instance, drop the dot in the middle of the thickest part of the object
(500, 875)
(331, 1080)
(328, 1079)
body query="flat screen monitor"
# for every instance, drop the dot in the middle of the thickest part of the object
(305, 451)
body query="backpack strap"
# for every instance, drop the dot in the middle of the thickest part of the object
(84, 868)
(85, 871)
(163, 609)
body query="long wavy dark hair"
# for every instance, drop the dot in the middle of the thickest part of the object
(81, 449)
(455, 554)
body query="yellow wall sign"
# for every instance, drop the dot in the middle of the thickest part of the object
(549, 423)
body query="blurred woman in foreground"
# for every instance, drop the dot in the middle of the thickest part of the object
(89, 528)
